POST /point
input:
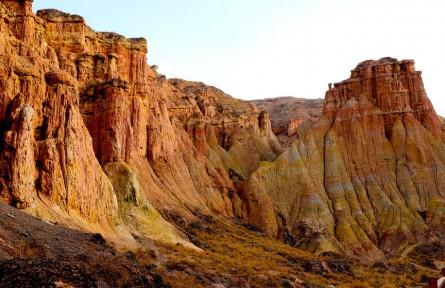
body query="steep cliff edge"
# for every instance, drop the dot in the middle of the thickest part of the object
(47, 164)
(93, 137)
(367, 178)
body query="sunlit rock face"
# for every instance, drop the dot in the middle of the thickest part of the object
(368, 178)
(46, 155)
(93, 137)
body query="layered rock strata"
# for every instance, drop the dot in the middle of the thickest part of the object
(93, 137)
(368, 178)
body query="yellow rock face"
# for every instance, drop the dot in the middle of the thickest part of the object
(368, 175)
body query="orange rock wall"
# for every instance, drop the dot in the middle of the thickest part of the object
(74, 101)
(46, 157)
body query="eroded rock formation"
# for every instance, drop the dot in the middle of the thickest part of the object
(46, 158)
(367, 178)
(291, 117)
(92, 137)
(76, 103)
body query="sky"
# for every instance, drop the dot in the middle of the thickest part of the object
(254, 49)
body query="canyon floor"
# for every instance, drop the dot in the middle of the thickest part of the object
(35, 253)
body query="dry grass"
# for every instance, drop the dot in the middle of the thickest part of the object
(236, 257)
(28, 250)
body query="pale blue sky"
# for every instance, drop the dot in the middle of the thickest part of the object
(268, 48)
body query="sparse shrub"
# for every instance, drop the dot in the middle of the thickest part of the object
(28, 250)
(234, 252)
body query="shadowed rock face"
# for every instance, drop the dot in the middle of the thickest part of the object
(94, 138)
(367, 178)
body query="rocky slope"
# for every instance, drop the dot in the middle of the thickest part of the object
(34, 253)
(93, 138)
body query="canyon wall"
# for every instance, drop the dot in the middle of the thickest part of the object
(94, 138)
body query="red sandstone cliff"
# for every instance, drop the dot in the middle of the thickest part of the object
(92, 137)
